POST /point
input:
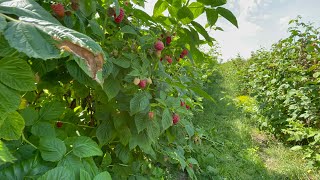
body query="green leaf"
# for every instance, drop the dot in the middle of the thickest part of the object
(139, 102)
(212, 16)
(27, 8)
(78, 74)
(128, 29)
(30, 115)
(60, 173)
(5, 155)
(185, 15)
(166, 119)
(43, 129)
(12, 126)
(17, 74)
(3, 24)
(51, 111)
(122, 62)
(10, 100)
(213, 3)
(103, 176)
(190, 130)
(84, 175)
(196, 8)
(51, 148)
(96, 29)
(123, 153)
(202, 93)
(296, 148)
(86, 147)
(117, 6)
(228, 15)
(141, 122)
(143, 16)
(111, 87)
(105, 132)
(5, 49)
(160, 7)
(87, 7)
(202, 31)
(26, 38)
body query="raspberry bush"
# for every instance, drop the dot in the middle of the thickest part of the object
(84, 93)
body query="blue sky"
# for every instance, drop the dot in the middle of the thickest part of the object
(261, 23)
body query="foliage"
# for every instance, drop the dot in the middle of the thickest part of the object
(69, 107)
(285, 82)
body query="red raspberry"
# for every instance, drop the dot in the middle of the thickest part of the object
(182, 103)
(59, 124)
(143, 83)
(188, 107)
(168, 40)
(175, 119)
(159, 45)
(151, 115)
(120, 17)
(58, 9)
(184, 53)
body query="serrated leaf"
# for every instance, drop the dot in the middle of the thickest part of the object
(43, 129)
(96, 29)
(212, 16)
(202, 31)
(60, 173)
(143, 16)
(51, 111)
(30, 115)
(123, 153)
(17, 74)
(128, 30)
(160, 7)
(10, 100)
(122, 62)
(86, 147)
(52, 149)
(166, 119)
(141, 122)
(105, 132)
(3, 24)
(228, 15)
(78, 74)
(5, 155)
(87, 7)
(111, 87)
(185, 15)
(5, 49)
(12, 126)
(296, 148)
(26, 38)
(103, 176)
(139, 103)
(27, 8)
(117, 7)
(190, 130)
(84, 175)
(196, 8)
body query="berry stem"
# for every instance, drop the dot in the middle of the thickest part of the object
(28, 142)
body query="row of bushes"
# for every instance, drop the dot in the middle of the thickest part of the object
(285, 81)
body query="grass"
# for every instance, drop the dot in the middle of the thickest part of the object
(235, 148)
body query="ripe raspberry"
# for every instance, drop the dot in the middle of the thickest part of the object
(168, 40)
(159, 45)
(182, 103)
(136, 81)
(188, 107)
(58, 9)
(175, 119)
(143, 83)
(151, 115)
(59, 124)
(184, 53)
(120, 17)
